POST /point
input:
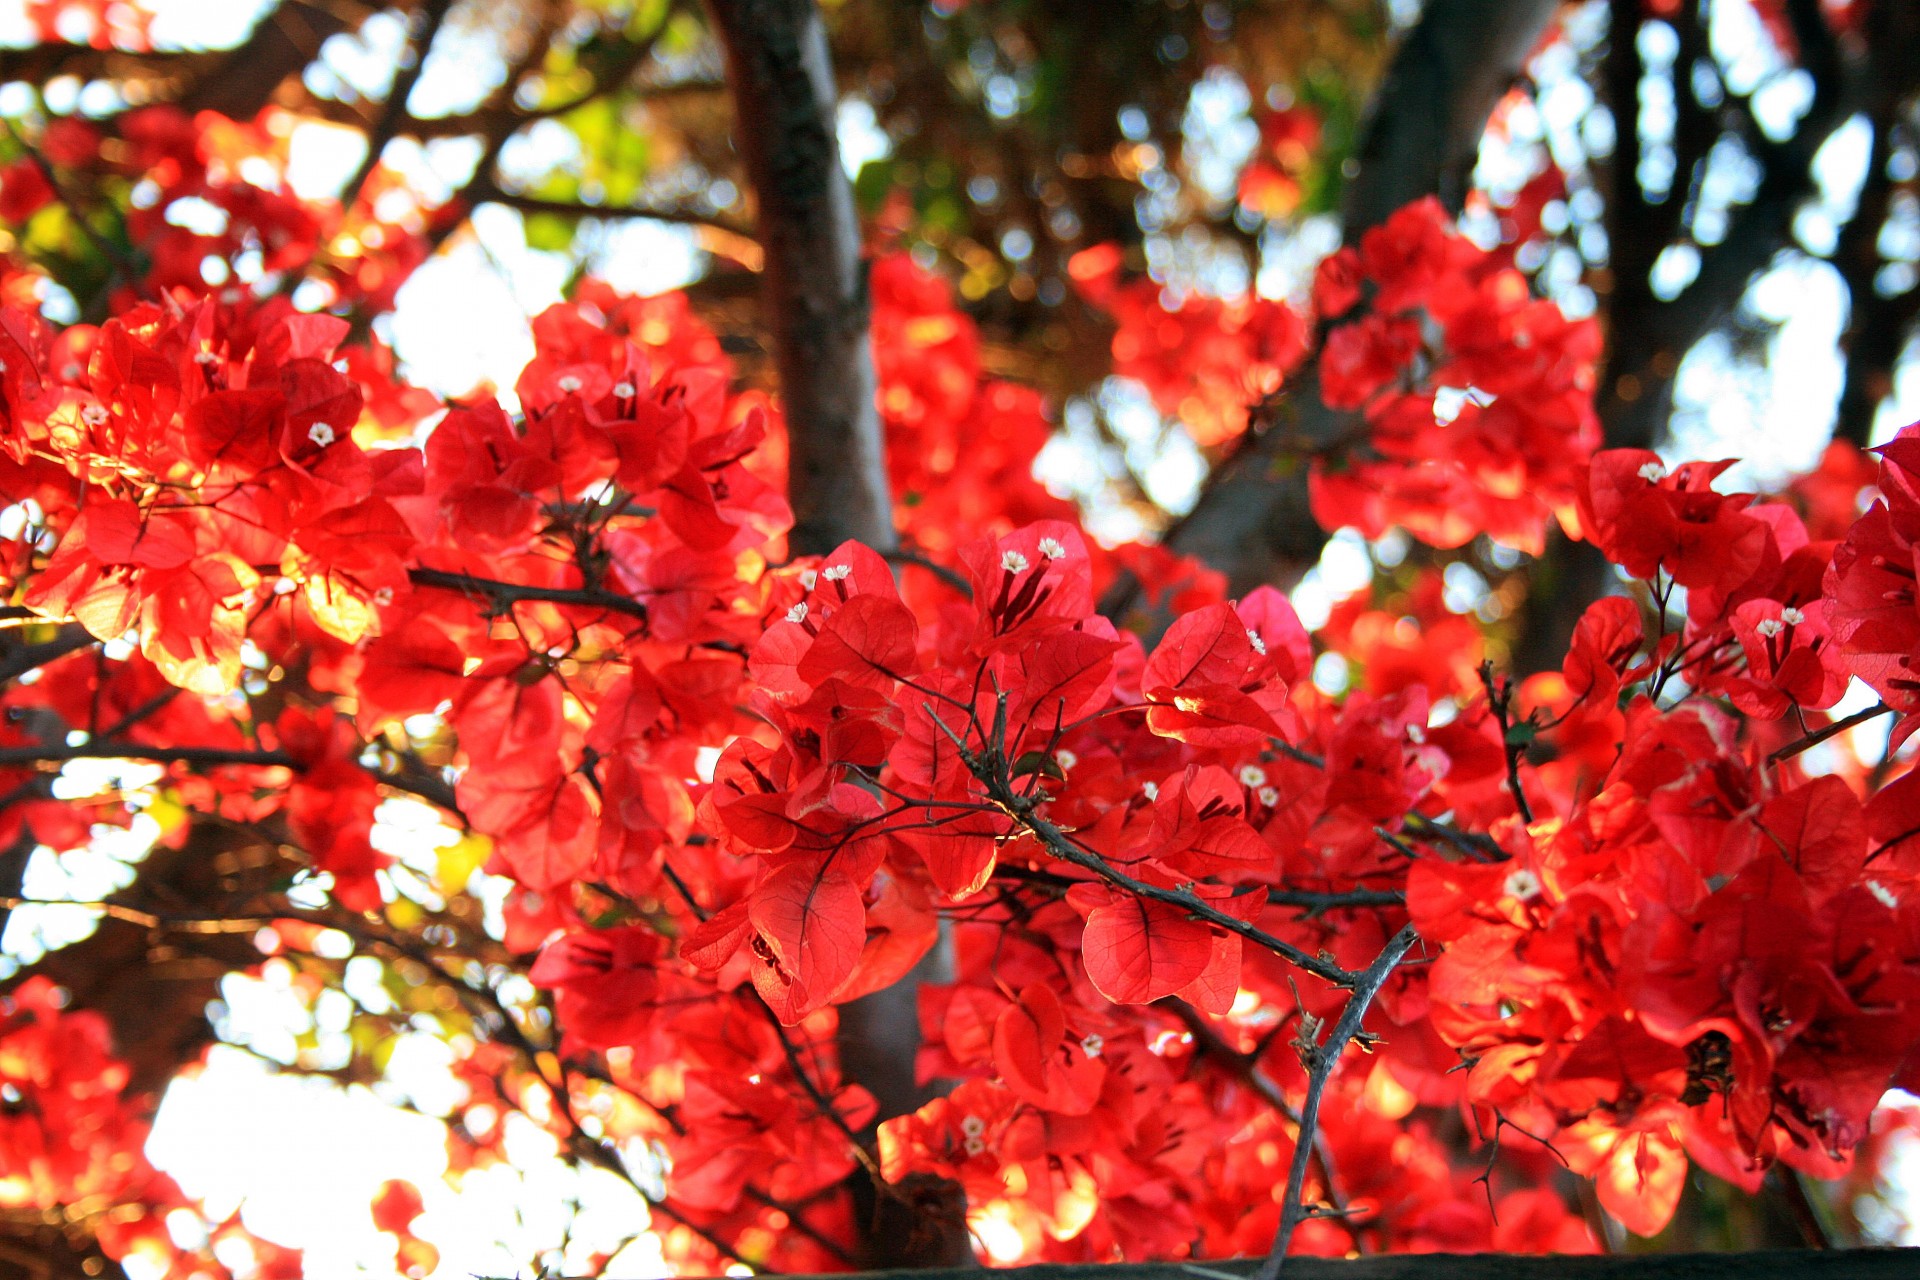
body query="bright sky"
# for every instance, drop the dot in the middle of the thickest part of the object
(302, 1159)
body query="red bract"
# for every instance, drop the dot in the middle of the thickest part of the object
(1484, 432)
(731, 790)
(1873, 614)
(1652, 520)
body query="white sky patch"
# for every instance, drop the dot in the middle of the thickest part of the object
(462, 318)
(303, 1160)
(861, 137)
(1220, 133)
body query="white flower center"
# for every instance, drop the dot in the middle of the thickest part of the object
(1521, 885)
(1792, 616)
(1151, 790)
(1051, 548)
(569, 384)
(973, 1126)
(1013, 562)
(809, 578)
(383, 596)
(836, 572)
(624, 390)
(93, 415)
(1252, 775)
(1653, 473)
(321, 434)
(1881, 892)
(1065, 759)
(1259, 645)
(1269, 796)
(205, 357)
(1769, 627)
(798, 613)
(1091, 1045)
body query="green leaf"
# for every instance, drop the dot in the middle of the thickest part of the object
(871, 185)
(549, 231)
(1038, 762)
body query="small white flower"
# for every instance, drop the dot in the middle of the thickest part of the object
(93, 415)
(974, 1146)
(1269, 796)
(1879, 891)
(384, 596)
(624, 390)
(1653, 473)
(798, 613)
(1151, 790)
(1091, 1045)
(1013, 562)
(321, 434)
(568, 384)
(1259, 645)
(1065, 759)
(205, 357)
(1051, 548)
(809, 578)
(836, 572)
(1416, 735)
(1792, 616)
(1769, 627)
(1252, 775)
(1521, 885)
(973, 1126)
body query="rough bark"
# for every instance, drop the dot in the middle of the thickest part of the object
(814, 282)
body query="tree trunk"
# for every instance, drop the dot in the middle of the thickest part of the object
(814, 290)
(814, 282)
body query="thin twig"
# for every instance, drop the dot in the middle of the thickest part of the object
(509, 593)
(1500, 702)
(1821, 734)
(900, 555)
(1320, 1062)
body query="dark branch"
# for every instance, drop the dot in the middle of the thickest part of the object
(426, 22)
(1320, 1060)
(814, 282)
(1423, 132)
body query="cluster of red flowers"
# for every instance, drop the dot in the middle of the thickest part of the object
(210, 204)
(1477, 395)
(1272, 184)
(1204, 360)
(735, 789)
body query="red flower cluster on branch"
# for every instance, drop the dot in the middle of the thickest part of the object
(733, 790)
